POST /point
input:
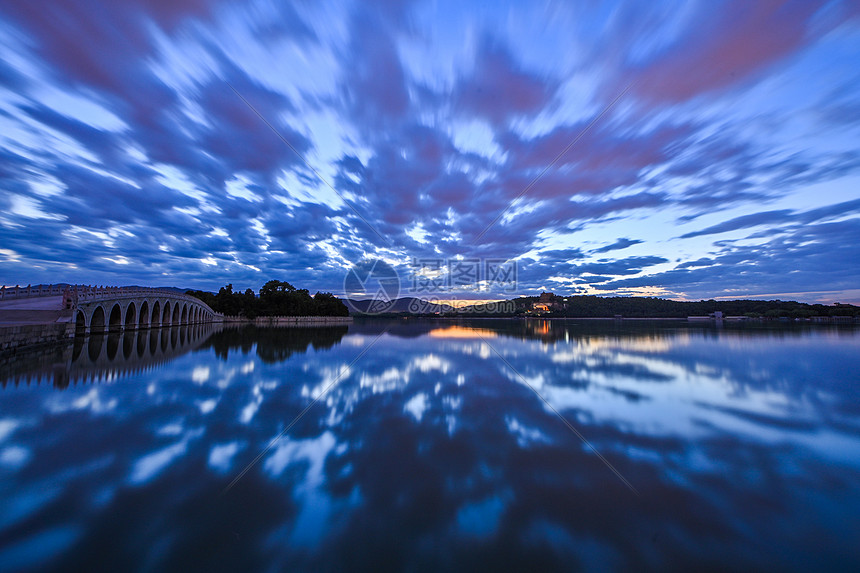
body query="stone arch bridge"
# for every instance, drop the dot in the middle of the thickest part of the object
(113, 309)
(107, 309)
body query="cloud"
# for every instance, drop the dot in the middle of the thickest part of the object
(790, 263)
(627, 266)
(375, 86)
(498, 88)
(742, 222)
(722, 46)
(618, 245)
(442, 131)
(779, 218)
(237, 136)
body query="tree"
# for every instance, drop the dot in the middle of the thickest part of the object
(329, 305)
(272, 287)
(277, 298)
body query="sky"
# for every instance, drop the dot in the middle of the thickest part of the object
(687, 150)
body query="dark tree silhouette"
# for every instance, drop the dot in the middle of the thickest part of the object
(277, 298)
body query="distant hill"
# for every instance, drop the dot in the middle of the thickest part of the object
(587, 306)
(64, 285)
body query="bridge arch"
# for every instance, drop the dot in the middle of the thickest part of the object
(97, 319)
(156, 314)
(165, 317)
(175, 319)
(115, 317)
(183, 319)
(130, 316)
(80, 322)
(143, 322)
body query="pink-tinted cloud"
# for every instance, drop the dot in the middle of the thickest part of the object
(95, 42)
(726, 44)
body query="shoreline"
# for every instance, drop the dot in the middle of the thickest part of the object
(685, 319)
(288, 320)
(25, 335)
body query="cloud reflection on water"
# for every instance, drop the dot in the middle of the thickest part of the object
(430, 453)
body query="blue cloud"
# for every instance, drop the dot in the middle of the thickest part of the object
(442, 131)
(618, 245)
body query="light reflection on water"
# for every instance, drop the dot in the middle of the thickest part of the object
(429, 452)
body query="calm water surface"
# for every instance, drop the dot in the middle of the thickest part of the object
(435, 447)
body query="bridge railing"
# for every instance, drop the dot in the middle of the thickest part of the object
(86, 294)
(80, 294)
(16, 292)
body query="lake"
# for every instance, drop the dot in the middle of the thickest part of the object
(421, 445)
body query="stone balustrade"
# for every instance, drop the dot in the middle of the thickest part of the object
(80, 293)
(16, 292)
(87, 292)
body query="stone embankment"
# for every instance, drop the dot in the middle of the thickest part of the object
(29, 335)
(33, 317)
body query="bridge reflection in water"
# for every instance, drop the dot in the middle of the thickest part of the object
(105, 356)
(108, 356)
